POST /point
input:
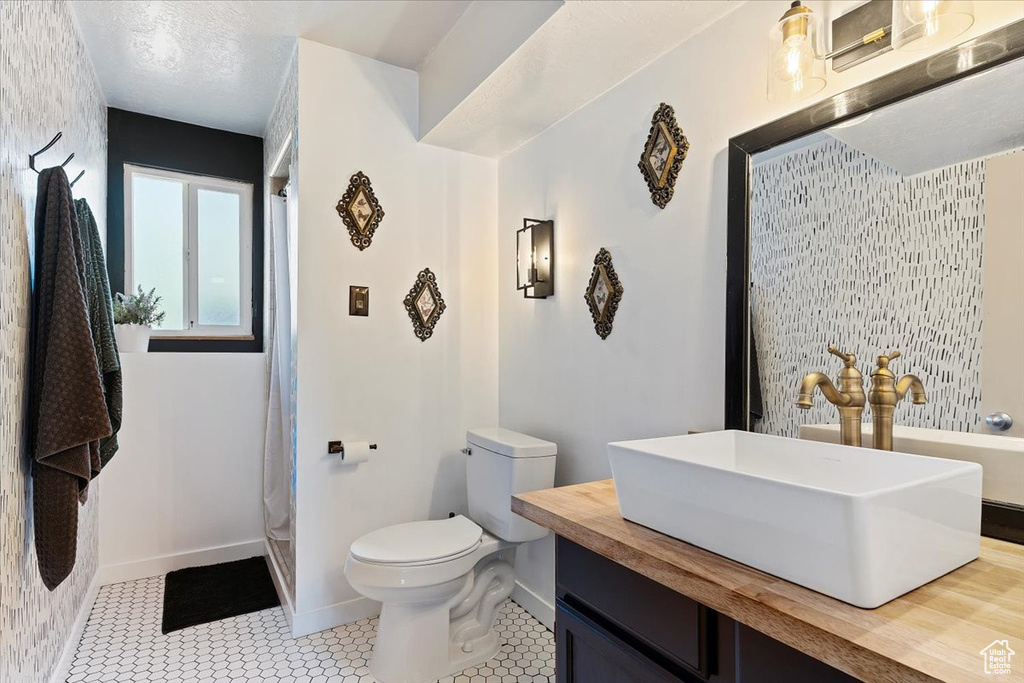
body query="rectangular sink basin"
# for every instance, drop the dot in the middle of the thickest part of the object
(1002, 457)
(860, 525)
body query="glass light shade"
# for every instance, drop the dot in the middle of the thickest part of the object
(923, 24)
(525, 256)
(796, 64)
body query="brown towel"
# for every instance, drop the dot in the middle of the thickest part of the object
(67, 411)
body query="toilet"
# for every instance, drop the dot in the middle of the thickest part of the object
(441, 583)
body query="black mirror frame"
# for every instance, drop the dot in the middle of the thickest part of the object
(999, 519)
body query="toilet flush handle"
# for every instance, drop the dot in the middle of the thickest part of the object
(467, 451)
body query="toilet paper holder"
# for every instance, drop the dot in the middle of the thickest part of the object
(334, 447)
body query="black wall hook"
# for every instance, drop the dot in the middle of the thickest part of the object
(32, 158)
(51, 143)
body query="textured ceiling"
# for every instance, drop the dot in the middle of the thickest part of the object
(221, 64)
(582, 51)
(973, 118)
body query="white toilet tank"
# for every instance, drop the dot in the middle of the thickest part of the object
(501, 463)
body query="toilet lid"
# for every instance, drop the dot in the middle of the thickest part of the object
(418, 541)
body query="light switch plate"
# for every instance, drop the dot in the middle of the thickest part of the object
(359, 301)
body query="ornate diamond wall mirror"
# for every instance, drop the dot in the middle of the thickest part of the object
(424, 304)
(603, 293)
(663, 155)
(360, 210)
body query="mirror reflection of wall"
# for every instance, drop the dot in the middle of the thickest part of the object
(897, 231)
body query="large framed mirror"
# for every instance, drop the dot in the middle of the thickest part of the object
(891, 216)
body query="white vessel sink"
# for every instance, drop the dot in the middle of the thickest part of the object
(1002, 457)
(860, 525)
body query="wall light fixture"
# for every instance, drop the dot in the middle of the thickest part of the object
(535, 259)
(796, 58)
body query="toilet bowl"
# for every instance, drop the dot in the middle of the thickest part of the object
(441, 583)
(424, 592)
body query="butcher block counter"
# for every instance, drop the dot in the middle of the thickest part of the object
(934, 633)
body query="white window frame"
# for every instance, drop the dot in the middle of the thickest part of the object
(190, 210)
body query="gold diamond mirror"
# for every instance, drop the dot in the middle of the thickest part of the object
(424, 304)
(603, 293)
(663, 155)
(360, 210)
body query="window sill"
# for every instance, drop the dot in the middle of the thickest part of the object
(249, 344)
(188, 337)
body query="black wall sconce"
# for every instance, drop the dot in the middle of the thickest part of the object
(535, 259)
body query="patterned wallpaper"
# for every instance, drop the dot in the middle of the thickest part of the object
(880, 263)
(46, 85)
(284, 119)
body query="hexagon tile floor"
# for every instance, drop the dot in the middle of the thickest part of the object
(122, 643)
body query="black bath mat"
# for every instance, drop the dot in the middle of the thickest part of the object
(198, 595)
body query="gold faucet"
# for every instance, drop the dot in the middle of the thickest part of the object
(885, 393)
(849, 397)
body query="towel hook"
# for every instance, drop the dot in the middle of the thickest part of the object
(51, 143)
(77, 177)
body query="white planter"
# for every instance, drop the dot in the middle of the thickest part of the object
(132, 338)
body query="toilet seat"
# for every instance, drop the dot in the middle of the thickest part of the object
(419, 543)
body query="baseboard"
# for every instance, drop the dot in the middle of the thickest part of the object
(280, 586)
(67, 655)
(304, 623)
(155, 566)
(535, 605)
(321, 619)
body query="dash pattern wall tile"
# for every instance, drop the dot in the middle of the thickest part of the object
(46, 85)
(847, 251)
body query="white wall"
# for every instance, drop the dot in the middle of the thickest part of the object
(188, 476)
(661, 370)
(47, 85)
(371, 378)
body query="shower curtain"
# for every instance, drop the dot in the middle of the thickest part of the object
(278, 451)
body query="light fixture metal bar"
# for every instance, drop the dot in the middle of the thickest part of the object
(873, 37)
(862, 34)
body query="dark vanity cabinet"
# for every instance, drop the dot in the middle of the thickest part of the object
(613, 625)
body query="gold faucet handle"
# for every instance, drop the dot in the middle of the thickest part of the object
(883, 361)
(848, 358)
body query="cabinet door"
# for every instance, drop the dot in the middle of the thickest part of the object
(761, 659)
(656, 617)
(588, 653)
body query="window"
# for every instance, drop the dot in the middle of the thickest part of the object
(190, 237)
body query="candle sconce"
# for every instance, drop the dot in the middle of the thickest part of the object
(535, 259)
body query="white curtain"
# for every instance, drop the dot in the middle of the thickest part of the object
(278, 452)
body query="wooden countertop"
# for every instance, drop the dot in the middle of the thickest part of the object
(934, 633)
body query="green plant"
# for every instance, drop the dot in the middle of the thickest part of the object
(138, 309)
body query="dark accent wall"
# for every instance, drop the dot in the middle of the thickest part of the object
(174, 146)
